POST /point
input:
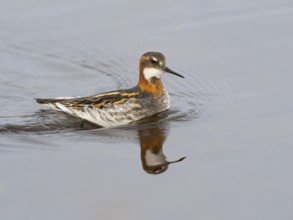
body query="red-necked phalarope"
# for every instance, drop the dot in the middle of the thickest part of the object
(122, 106)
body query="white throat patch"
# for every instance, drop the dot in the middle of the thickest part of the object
(152, 159)
(152, 72)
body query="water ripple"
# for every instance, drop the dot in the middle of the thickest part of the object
(191, 98)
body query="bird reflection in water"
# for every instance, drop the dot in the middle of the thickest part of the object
(150, 132)
(151, 144)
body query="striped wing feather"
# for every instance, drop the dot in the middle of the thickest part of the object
(100, 101)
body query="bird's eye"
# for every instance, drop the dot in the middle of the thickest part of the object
(153, 61)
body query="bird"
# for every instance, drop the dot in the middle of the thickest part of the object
(125, 106)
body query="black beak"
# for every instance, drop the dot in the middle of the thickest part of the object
(172, 72)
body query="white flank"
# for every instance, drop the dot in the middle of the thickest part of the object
(152, 72)
(97, 116)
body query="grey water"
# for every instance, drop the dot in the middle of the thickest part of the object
(229, 131)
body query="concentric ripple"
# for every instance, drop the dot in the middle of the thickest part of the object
(187, 101)
(83, 73)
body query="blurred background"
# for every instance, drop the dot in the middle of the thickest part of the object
(231, 117)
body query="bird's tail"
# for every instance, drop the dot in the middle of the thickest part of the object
(47, 101)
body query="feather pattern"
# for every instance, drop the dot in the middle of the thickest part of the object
(112, 108)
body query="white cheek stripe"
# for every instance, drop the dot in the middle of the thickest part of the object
(152, 72)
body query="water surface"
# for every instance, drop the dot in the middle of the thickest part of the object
(231, 117)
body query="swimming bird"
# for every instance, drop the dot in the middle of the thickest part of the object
(122, 107)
